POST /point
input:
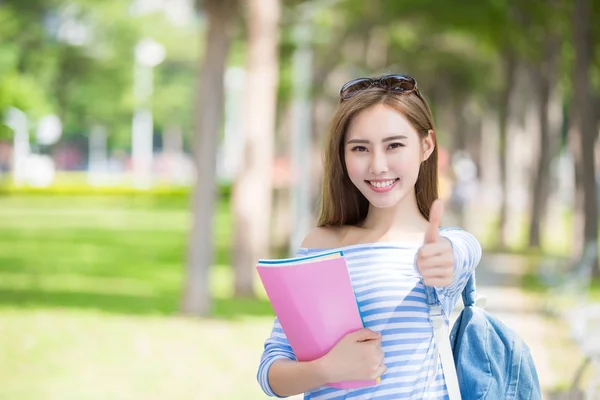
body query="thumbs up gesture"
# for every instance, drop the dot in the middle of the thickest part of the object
(435, 259)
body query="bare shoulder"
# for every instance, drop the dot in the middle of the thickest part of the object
(323, 237)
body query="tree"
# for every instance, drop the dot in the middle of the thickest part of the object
(548, 132)
(220, 14)
(583, 131)
(252, 191)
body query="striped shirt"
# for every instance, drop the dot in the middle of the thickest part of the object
(391, 299)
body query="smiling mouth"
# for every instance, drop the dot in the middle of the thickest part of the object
(383, 184)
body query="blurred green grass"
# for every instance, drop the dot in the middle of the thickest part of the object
(122, 254)
(89, 293)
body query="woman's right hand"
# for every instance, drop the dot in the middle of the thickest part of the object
(357, 356)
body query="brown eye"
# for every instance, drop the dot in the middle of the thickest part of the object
(359, 148)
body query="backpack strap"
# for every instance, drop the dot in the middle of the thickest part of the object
(469, 294)
(469, 297)
(442, 343)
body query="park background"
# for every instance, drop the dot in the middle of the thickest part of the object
(152, 150)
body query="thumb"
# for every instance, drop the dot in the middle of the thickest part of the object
(435, 218)
(365, 334)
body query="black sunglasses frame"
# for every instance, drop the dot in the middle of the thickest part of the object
(401, 84)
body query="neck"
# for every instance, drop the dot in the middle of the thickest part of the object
(404, 217)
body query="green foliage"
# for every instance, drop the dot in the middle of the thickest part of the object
(91, 82)
(23, 92)
(454, 44)
(457, 45)
(5, 132)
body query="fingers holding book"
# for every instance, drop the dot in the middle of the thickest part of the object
(357, 356)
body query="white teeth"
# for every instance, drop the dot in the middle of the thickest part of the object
(383, 184)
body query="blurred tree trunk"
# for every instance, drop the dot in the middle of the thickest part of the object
(252, 192)
(281, 221)
(451, 111)
(597, 108)
(510, 64)
(460, 145)
(208, 118)
(546, 79)
(460, 129)
(582, 132)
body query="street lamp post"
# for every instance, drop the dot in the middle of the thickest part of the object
(148, 54)
(18, 122)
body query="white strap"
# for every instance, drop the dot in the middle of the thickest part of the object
(442, 341)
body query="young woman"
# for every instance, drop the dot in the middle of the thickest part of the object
(379, 205)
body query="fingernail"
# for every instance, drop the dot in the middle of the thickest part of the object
(378, 380)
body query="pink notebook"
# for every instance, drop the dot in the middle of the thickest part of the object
(315, 303)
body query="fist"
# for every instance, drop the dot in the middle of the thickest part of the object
(435, 259)
(357, 356)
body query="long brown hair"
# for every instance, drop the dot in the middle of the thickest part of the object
(341, 202)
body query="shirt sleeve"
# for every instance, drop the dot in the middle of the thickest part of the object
(467, 254)
(275, 348)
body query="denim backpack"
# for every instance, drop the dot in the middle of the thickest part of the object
(491, 361)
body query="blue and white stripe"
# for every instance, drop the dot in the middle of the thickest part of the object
(391, 299)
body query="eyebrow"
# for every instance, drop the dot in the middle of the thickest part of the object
(387, 139)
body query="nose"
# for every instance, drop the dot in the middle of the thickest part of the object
(378, 164)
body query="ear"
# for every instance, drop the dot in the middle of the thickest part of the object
(429, 142)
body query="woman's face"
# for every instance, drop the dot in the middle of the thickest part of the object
(383, 154)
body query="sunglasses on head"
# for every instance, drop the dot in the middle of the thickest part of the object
(402, 84)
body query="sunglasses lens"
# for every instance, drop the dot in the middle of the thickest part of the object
(400, 83)
(353, 87)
